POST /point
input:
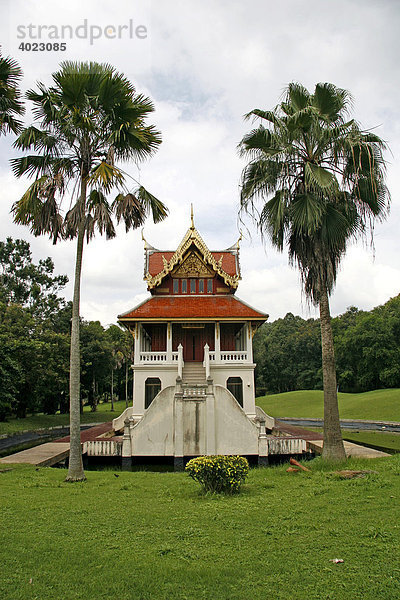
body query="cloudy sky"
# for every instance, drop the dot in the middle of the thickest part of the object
(205, 64)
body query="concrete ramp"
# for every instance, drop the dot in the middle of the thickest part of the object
(44, 455)
(352, 450)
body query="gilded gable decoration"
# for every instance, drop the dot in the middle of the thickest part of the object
(192, 266)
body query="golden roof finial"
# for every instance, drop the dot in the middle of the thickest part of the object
(191, 217)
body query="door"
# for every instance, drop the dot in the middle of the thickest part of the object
(193, 347)
(193, 341)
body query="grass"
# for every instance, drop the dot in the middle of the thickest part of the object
(41, 421)
(379, 405)
(155, 536)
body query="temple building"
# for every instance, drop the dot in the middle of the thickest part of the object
(193, 359)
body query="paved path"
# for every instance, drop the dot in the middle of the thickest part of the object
(44, 455)
(51, 453)
(8, 442)
(352, 450)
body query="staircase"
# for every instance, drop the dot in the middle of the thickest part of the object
(194, 383)
(194, 374)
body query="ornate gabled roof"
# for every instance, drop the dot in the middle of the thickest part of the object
(159, 264)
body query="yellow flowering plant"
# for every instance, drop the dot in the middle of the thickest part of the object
(222, 474)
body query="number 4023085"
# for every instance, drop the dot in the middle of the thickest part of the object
(42, 47)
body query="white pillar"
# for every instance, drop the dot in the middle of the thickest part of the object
(169, 342)
(126, 442)
(211, 446)
(206, 362)
(180, 360)
(178, 426)
(138, 341)
(217, 342)
(249, 338)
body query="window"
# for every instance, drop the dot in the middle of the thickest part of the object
(152, 387)
(175, 286)
(209, 286)
(201, 286)
(192, 286)
(235, 386)
(184, 286)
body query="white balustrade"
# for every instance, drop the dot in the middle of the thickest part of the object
(157, 357)
(224, 356)
(233, 356)
(153, 357)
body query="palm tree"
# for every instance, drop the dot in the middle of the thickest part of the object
(10, 102)
(88, 120)
(320, 180)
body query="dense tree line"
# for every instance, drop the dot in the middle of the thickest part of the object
(35, 323)
(367, 348)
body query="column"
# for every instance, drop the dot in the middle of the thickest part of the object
(126, 447)
(217, 342)
(211, 446)
(138, 341)
(169, 342)
(178, 434)
(180, 361)
(249, 338)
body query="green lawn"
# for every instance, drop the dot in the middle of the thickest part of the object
(42, 421)
(154, 536)
(380, 405)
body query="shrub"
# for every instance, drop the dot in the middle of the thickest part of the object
(219, 473)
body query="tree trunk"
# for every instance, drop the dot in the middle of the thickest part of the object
(112, 389)
(75, 470)
(333, 443)
(126, 383)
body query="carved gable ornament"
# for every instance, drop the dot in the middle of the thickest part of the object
(192, 266)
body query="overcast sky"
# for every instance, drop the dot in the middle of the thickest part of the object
(205, 64)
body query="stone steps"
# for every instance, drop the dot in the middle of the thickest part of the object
(194, 373)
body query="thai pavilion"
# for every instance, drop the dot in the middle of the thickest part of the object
(193, 361)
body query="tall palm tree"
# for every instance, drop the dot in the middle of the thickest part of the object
(10, 96)
(320, 180)
(88, 120)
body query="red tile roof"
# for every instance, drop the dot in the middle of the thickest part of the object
(156, 264)
(193, 307)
